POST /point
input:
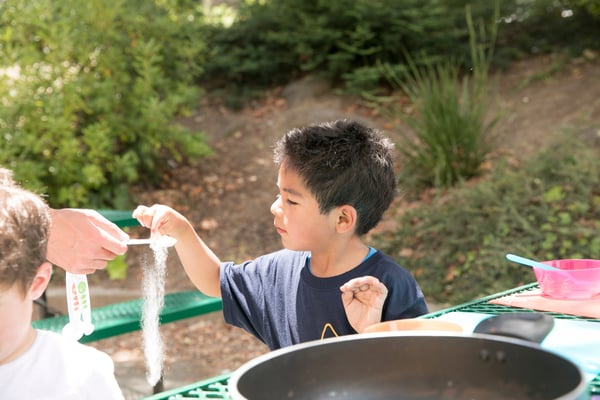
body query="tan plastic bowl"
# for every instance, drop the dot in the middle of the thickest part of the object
(414, 325)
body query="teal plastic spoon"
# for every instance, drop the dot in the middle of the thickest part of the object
(530, 263)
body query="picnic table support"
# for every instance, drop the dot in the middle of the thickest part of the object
(46, 310)
(160, 385)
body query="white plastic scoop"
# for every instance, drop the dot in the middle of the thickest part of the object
(161, 241)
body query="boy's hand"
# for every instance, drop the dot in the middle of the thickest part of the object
(363, 300)
(162, 220)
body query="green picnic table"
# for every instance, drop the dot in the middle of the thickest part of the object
(216, 387)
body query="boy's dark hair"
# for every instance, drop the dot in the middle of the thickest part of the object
(24, 230)
(342, 162)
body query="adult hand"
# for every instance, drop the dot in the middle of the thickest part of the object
(82, 241)
(363, 300)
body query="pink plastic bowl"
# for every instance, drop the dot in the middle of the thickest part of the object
(578, 279)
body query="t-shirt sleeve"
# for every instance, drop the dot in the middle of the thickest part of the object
(259, 296)
(239, 308)
(405, 297)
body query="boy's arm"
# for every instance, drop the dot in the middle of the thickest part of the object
(199, 262)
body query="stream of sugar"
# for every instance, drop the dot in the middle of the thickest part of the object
(153, 286)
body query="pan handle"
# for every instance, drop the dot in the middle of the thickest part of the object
(530, 326)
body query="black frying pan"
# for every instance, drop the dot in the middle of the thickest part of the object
(403, 365)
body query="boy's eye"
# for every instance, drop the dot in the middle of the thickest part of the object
(287, 201)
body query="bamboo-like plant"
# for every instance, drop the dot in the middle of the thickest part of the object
(449, 136)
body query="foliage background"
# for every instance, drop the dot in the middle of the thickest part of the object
(546, 208)
(90, 91)
(91, 94)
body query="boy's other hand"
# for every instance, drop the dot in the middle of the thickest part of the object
(363, 300)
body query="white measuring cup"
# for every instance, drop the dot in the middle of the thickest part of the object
(79, 306)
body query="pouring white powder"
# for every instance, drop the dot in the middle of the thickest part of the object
(153, 286)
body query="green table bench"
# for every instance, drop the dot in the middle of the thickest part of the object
(119, 318)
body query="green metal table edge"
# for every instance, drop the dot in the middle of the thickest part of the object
(212, 388)
(121, 218)
(483, 306)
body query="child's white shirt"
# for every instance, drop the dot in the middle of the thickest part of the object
(56, 367)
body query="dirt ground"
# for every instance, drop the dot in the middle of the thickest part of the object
(227, 196)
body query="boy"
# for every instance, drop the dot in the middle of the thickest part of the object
(37, 364)
(335, 182)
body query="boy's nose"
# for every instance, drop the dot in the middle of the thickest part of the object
(276, 206)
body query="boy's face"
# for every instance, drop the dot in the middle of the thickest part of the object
(298, 219)
(15, 317)
(16, 332)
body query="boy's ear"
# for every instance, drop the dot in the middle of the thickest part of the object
(41, 280)
(346, 218)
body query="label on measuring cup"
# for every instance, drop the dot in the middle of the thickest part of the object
(79, 306)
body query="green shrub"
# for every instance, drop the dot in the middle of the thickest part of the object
(541, 27)
(89, 91)
(272, 42)
(547, 209)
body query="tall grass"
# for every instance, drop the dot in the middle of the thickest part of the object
(448, 140)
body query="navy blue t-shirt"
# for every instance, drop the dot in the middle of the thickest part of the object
(278, 300)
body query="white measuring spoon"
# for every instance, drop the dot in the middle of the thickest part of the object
(162, 241)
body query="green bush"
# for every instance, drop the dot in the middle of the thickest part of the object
(272, 42)
(547, 209)
(89, 91)
(541, 27)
